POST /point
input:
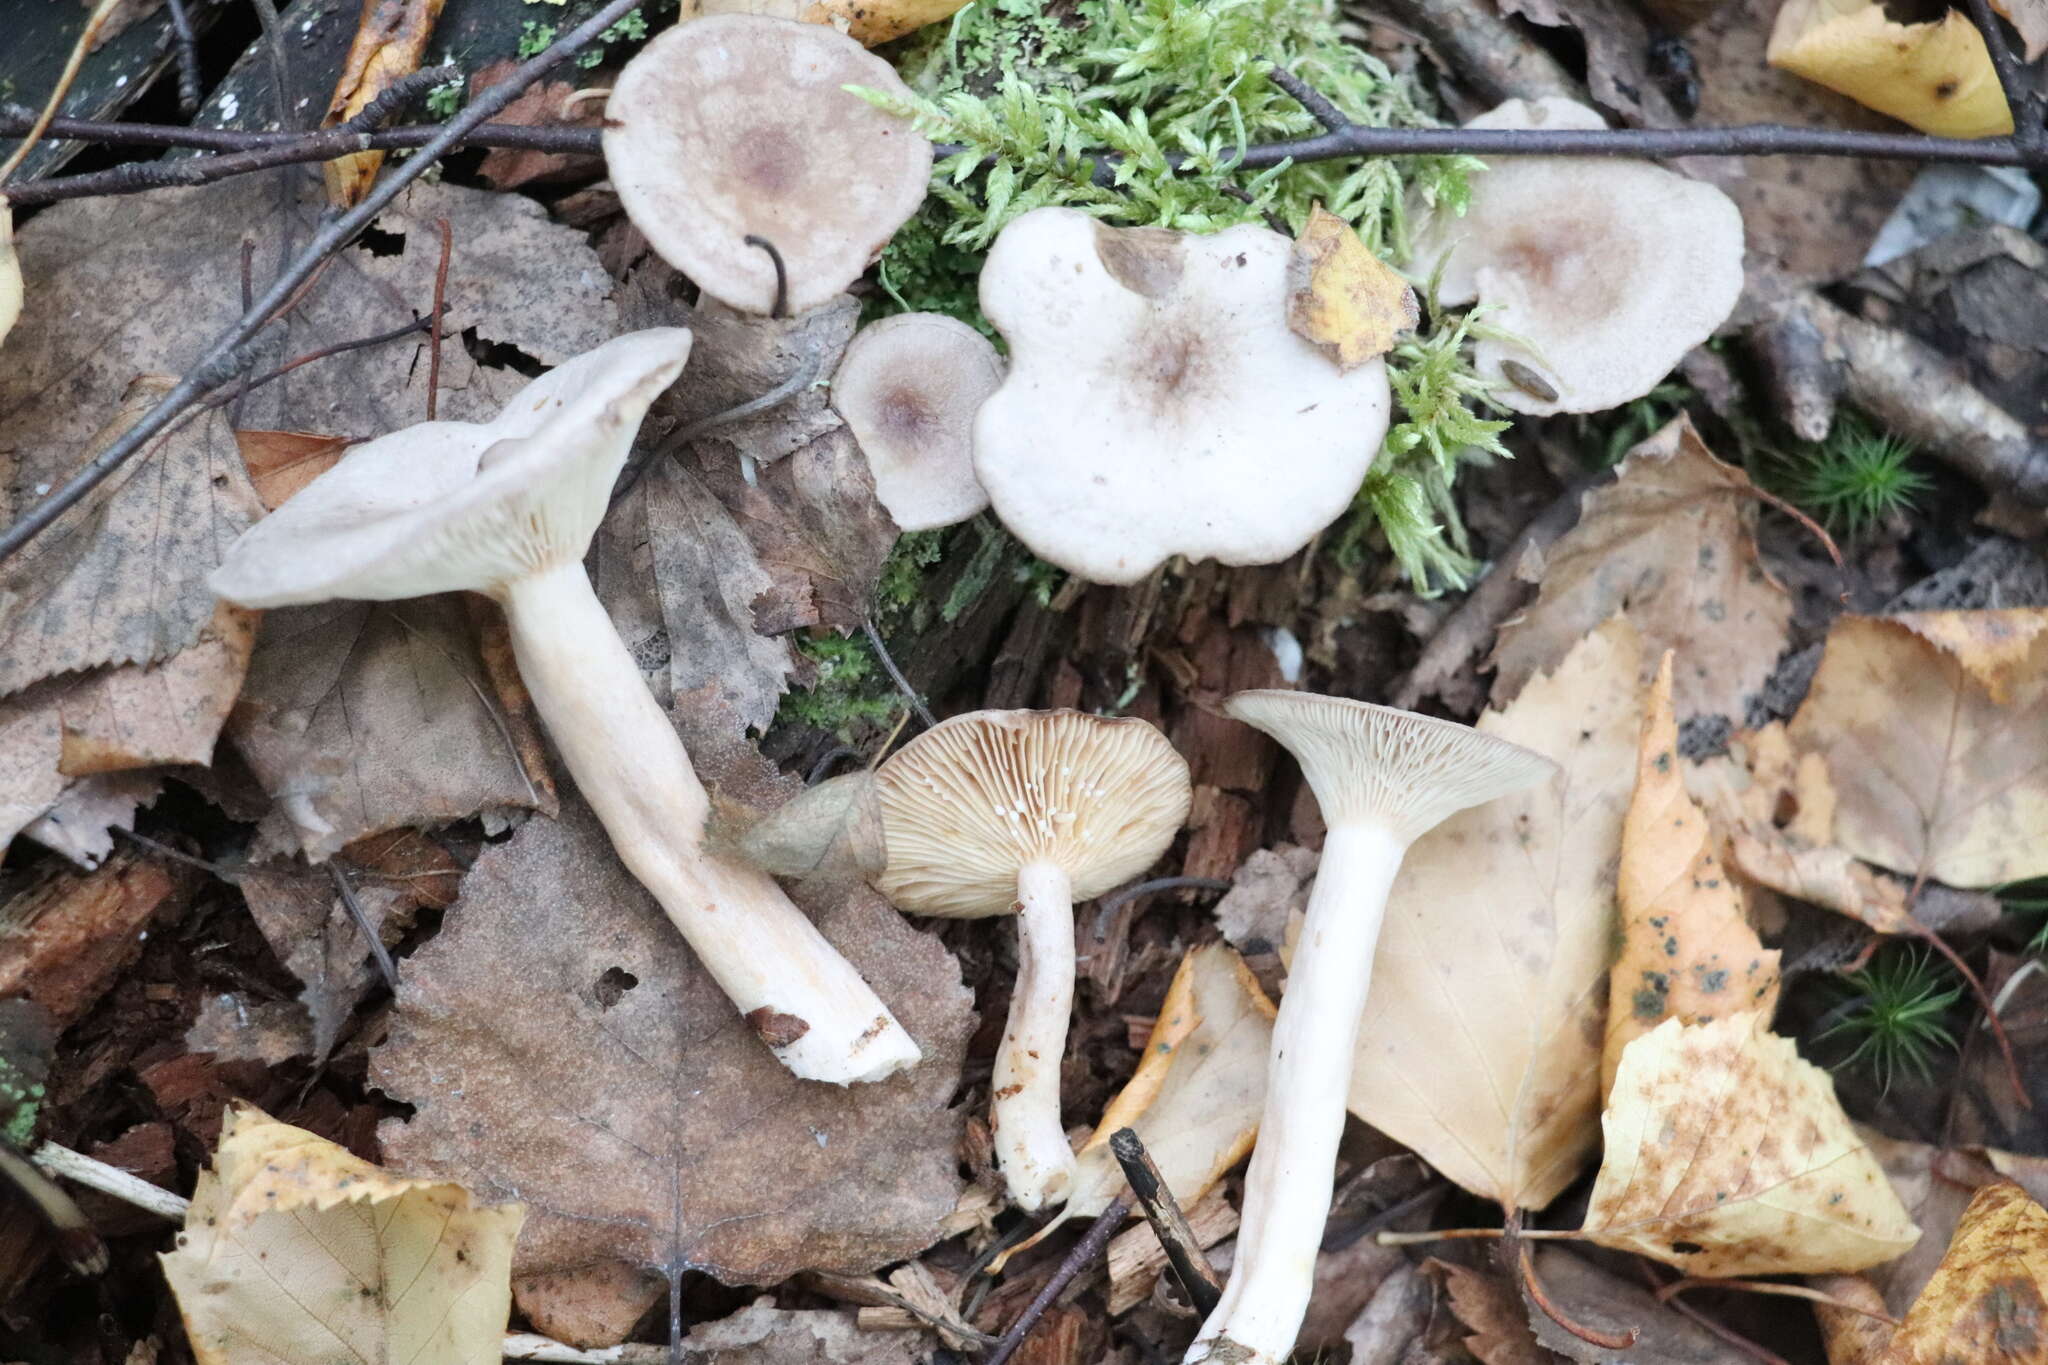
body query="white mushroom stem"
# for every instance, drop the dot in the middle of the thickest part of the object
(806, 1001)
(1031, 1147)
(1288, 1187)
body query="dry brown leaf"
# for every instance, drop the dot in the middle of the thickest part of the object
(1619, 1306)
(80, 825)
(280, 463)
(762, 1334)
(873, 22)
(1341, 298)
(1934, 726)
(2030, 17)
(121, 577)
(390, 39)
(1850, 1329)
(541, 105)
(1480, 1047)
(295, 1253)
(633, 1110)
(736, 357)
(1936, 76)
(1687, 949)
(1988, 1300)
(1670, 544)
(1485, 1302)
(361, 717)
(1199, 1087)
(68, 938)
(1936, 1186)
(1728, 1154)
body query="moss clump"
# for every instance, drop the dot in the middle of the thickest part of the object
(851, 687)
(1176, 91)
(20, 1098)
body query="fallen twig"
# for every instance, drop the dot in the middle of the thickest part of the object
(186, 43)
(1085, 1251)
(1183, 1252)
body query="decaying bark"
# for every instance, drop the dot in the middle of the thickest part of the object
(1490, 56)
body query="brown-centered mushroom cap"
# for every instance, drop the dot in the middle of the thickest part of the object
(1605, 271)
(738, 125)
(909, 387)
(973, 799)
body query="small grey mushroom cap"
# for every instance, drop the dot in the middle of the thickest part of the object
(739, 125)
(909, 387)
(462, 506)
(969, 802)
(1157, 402)
(1405, 771)
(1605, 270)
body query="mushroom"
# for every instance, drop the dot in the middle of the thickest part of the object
(1026, 812)
(1383, 778)
(909, 387)
(737, 149)
(1604, 272)
(508, 508)
(1158, 403)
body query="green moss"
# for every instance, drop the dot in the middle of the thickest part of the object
(1177, 90)
(851, 688)
(20, 1098)
(1853, 481)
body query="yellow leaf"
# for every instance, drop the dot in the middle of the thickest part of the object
(877, 21)
(390, 39)
(10, 271)
(1936, 76)
(1341, 297)
(1729, 1155)
(296, 1253)
(1687, 949)
(1480, 1046)
(1988, 1300)
(1934, 727)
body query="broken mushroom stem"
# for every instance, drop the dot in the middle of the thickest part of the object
(1030, 1142)
(1383, 778)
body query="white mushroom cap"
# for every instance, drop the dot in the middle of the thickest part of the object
(1157, 402)
(1404, 771)
(453, 506)
(975, 798)
(1610, 270)
(738, 125)
(909, 387)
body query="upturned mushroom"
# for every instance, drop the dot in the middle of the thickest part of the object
(1024, 813)
(507, 508)
(1382, 778)
(909, 387)
(738, 151)
(1602, 272)
(1157, 402)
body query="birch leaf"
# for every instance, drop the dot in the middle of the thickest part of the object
(296, 1252)
(1342, 299)
(1729, 1155)
(1936, 76)
(1687, 949)
(1481, 1042)
(1934, 726)
(1988, 1300)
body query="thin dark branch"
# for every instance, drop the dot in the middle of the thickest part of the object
(386, 968)
(780, 308)
(2012, 77)
(187, 44)
(1085, 1251)
(1115, 900)
(227, 356)
(1197, 1278)
(910, 695)
(440, 303)
(1308, 97)
(15, 119)
(360, 343)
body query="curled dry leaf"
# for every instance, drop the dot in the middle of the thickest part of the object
(1343, 299)
(1727, 1154)
(1687, 949)
(1936, 1186)
(632, 1108)
(1671, 544)
(390, 39)
(297, 1253)
(1481, 1042)
(280, 463)
(1936, 76)
(1988, 1300)
(762, 1334)
(873, 22)
(1854, 1327)
(1934, 726)
(81, 825)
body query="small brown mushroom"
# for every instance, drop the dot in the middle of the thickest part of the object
(909, 387)
(739, 127)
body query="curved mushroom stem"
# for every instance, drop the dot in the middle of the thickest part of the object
(1287, 1188)
(805, 1001)
(1031, 1147)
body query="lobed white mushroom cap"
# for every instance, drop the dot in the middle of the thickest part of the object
(909, 387)
(462, 506)
(1157, 402)
(1607, 270)
(1404, 771)
(739, 125)
(970, 801)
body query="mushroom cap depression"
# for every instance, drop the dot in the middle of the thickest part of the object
(909, 387)
(736, 125)
(462, 506)
(1405, 771)
(970, 801)
(1606, 270)
(1158, 403)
